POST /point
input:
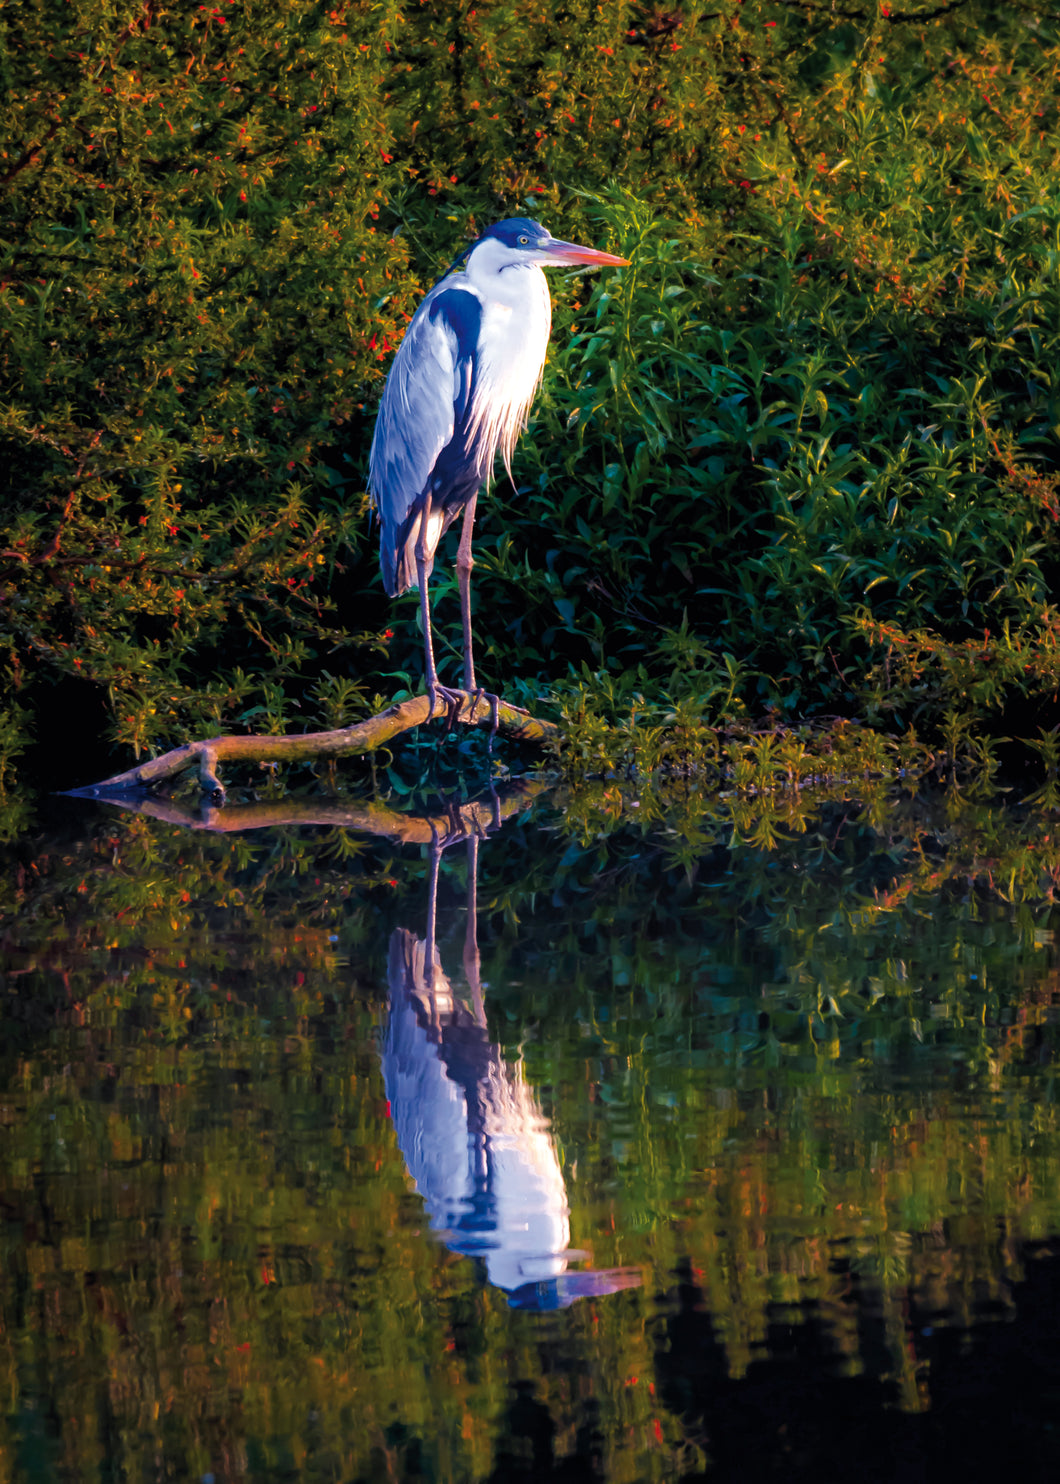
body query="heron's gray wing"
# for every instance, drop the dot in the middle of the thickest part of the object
(424, 398)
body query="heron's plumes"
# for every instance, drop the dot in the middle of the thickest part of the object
(500, 405)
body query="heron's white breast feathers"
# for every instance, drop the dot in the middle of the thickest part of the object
(510, 359)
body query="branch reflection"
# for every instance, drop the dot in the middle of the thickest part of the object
(472, 1133)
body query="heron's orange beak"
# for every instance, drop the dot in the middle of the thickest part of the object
(570, 252)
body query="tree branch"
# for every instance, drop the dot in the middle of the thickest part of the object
(366, 736)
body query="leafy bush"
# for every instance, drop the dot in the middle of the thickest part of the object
(815, 418)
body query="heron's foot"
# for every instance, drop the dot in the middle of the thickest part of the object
(453, 702)
(495, 711)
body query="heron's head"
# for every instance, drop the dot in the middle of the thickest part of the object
(520, 242)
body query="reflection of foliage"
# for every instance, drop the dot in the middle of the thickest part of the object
(788, 1047)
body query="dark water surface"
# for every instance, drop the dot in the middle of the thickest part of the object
(540, 1152)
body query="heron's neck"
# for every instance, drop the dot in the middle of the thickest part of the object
(498, 274)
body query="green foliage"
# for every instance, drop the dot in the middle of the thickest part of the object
(190, 289)
(775, 489)
(822, 400)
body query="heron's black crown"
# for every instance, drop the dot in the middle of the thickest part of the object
(511, 232)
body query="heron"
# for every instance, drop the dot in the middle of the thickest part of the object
(460, 388)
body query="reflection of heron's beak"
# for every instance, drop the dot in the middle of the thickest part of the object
(570, 252)
(565, 1289)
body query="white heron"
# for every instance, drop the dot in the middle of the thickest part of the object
(460, 388)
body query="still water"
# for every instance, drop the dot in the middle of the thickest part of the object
(531, 1138)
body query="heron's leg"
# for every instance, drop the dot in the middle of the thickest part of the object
(452, 699)
(464, 562)
(428, 645)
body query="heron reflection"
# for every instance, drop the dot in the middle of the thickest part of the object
(472, 1133)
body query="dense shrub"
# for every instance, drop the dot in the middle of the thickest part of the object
(799, 456)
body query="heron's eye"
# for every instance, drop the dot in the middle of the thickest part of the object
(523, 241)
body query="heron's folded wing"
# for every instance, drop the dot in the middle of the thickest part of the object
(424, 397)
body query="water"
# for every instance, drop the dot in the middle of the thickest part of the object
(528, 1142)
